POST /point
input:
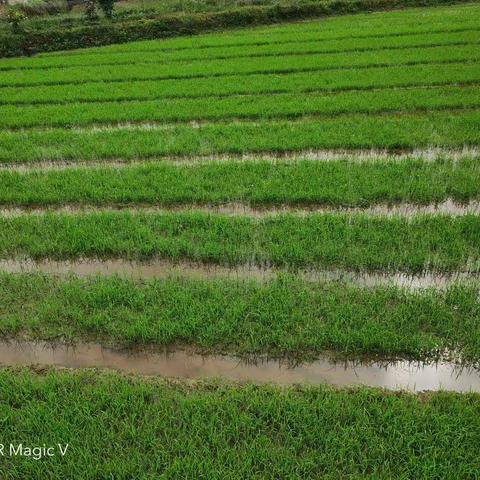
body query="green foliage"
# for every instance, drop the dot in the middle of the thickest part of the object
(34, 8)
(91, 10)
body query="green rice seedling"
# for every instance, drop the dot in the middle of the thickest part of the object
(289, 46)
(214, 68)
(257, 183)
(242, 107)
(353, 242)
(324, 81)
(449, 129)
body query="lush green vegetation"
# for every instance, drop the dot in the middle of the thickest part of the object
(226, 67)
(338, 80)
(353, 242)
(419, 18)
(285, 317)
(266, 46)
(256, 183)
(125, 428)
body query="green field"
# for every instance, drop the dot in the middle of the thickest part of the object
(369, 111)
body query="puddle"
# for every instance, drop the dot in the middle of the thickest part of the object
(447, 207)
(162, 269)
(400, 375)
(358, 155)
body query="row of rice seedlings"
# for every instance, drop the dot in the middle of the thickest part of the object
(444, 129)
(287, 47)
(321, 81)
(346, 183)
(219, 68)
(291, 317)
(355, 242)
(221, 430)
(244, 107)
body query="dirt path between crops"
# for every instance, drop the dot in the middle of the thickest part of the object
(398, 375)
(162, 269)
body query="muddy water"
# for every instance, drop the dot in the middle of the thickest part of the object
(401, 375)
(161, 269)
(447, 207)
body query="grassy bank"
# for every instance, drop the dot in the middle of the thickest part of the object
(127, 426)
(356, 242)
(284, 317)
(256, 183)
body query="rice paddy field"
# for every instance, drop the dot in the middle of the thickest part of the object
(306, 194)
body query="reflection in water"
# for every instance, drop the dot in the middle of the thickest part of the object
(400, 375)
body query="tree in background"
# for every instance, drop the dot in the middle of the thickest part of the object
(15, 18)
(91, 9)
(107, 7)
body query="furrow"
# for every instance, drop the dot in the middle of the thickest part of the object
(408, 210)
(326, 155)
(164, 269)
